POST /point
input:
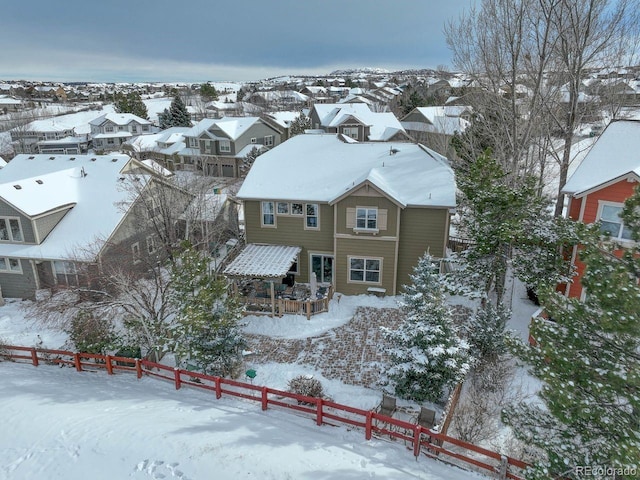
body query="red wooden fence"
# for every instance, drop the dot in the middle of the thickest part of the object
(421, 440)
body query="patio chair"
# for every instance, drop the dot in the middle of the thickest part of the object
(426, 418)
(388, 406)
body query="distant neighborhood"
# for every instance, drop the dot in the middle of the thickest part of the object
(355, 170)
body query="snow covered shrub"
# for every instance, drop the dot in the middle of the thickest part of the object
(307, 386)
(90, 334)
(427, 356)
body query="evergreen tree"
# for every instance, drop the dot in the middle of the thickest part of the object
(299, 125)
(178, 113)
(164, 119)
(208, 92)
(427, 357)
(486, 332)
(130, 103)
(588, 358)
(206, 332)
(508, 225)
(137, 106)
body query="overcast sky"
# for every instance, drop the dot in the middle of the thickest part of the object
(198, 40)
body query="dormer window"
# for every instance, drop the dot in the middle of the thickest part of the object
(108, 128)
(10, 230)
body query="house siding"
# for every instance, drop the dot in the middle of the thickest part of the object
(7, 210)
(421, 229)
(290, 231)
(258, 131)
(15, 285)
(373, 199)
(618, 192)
(367, 248)
(44, 225)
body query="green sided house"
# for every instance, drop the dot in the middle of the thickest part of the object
(358, 215)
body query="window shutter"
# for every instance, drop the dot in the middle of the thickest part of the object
(351, 217)
(382, 219)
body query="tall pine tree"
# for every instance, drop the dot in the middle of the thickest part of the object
(427, 356)
(588, 358)
(175, 116)
(206, 332)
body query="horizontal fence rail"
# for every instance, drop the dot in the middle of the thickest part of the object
(421, 440)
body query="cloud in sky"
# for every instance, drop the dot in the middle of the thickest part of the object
(161, 40)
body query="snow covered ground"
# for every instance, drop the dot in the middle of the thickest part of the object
(68, 425)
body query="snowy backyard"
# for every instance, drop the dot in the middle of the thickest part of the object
(66, 425)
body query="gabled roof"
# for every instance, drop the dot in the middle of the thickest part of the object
(383, 125)
(615, 154)
(90, 186)
(322, 168)
(232, 127)
(119, 119)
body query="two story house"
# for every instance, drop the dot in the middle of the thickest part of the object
(435, 126)
(51, 135)
(63, 218)
(598, 188)
(357, 215)
(111, 130)
(356, 120)
(217, 147)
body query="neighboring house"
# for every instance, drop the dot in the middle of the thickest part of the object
(10, 104)
(163, 146)
(360, 214)
(53, 135)
(356, 120)
(218, 147)
(599, 187)
(111, 130)
(63, 218)
(282, 121)
(436, 126)
(279, 99)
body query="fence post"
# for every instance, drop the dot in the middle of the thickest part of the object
(367, 425)
(308, 309)
(138, 368)
(265, 399)
(319, 412)
(176, 374)
(218, 388)
(504, 466)
(417, 430)
(76, 361)
(34, 357)
(107, 359)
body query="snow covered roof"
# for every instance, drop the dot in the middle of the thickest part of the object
(323, 168)
(119, 119)
(233, 127)
(615, 154)
(79, 122)
(383, 125)
(122, 134)
(263, 261)
(90, 186)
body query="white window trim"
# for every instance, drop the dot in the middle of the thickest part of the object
(317, 216)
(364, 281)
(262, 214)
(366, 228)
(8, 269)
(269, 140)
(226, 144)
(10, 233)
(606, 203)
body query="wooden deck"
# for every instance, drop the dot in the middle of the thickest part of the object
(285, 302)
